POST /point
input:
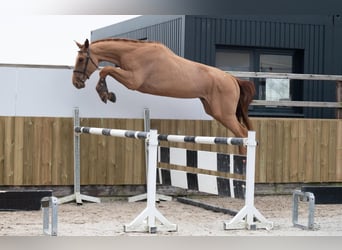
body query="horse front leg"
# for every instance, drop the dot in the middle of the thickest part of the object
(102, 90)
(125, 77)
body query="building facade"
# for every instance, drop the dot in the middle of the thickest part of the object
(282, 44)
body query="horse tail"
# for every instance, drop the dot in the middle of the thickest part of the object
(247, 92)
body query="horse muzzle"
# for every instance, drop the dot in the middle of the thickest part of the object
(79, 84)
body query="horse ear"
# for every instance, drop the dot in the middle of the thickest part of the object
(78, 44)
(86, 43)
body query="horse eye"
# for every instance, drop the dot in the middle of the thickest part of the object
(80, 60)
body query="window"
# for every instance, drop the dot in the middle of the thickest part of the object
(266, 60)
(233, 60)
(273, 89)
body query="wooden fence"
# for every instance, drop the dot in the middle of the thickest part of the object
(36, 151)
(39, 150)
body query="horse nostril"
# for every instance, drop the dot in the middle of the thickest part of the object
(80, 85)
(76, 84)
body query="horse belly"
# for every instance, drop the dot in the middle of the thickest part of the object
(171, 89)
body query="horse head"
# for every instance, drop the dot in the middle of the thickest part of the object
(85, 65)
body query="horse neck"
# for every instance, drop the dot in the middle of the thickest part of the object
(112, 50)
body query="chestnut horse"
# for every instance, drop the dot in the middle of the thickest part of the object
(150, 67)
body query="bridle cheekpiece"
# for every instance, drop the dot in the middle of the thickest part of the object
(84, 71)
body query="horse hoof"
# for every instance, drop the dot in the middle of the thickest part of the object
(104, 98)
(112, 97)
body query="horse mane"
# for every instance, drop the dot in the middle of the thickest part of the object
(123, 40)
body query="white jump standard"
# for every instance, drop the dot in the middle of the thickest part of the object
(249, 216)
(77, 196)
(146, 220)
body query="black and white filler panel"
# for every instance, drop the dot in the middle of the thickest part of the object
(194, 160)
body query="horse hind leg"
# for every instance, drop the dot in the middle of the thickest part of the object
(230, 122)
(237, 128)
(102, 90)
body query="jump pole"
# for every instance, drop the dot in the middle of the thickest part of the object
(77, 196)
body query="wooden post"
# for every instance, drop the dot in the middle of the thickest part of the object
(339, 99)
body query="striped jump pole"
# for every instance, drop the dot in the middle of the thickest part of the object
(204, 139)
(112, 132)
(163, 137)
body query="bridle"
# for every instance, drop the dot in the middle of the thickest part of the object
(88, 58)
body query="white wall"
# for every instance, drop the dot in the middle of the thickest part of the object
(48, 91)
